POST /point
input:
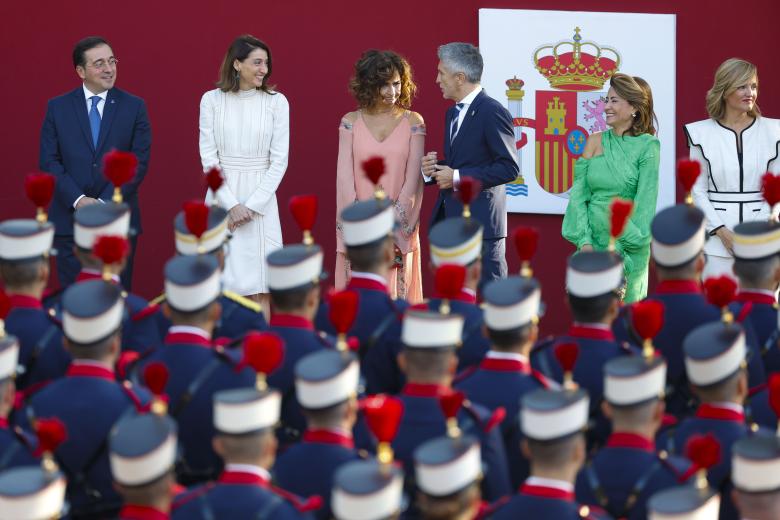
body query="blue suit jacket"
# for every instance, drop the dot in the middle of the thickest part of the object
(485, 150)
(67, 151)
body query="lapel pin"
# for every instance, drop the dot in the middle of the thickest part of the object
(473, 112)
(113, 101)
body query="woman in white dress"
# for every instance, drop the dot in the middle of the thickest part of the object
(735, 147)
(245, 131)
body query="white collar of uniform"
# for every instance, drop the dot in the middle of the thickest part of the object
(189, 329)
(734, 407)
(595, 325)
(514, 356)
(469, 99)
(550, 483)
(88, 93)
(249, 468)
(369, 276)
(92, 363)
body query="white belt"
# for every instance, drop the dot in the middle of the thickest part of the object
(235, 161)
(734, 197)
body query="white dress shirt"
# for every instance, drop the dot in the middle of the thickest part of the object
(466, 101)
(100, 106)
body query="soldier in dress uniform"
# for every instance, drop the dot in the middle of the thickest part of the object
(367, 227)
(684, 503)
(88, 400)
(14, 445)
(142, 453)
(627, 470)
(447, 472)
(294, 275)
(244, 420)
(198, 368)
(25, 245)
(326, 383)
(755, 474)
(458, 241)
(594, 280)
(429, 361)
(139, 330)
(757, 266)
(373, 489)
(553, 423)
(505, 374)
(36, 492)
(715, 366)
(239, 314)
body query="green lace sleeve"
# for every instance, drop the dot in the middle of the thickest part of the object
(637, 232)
(576, 227)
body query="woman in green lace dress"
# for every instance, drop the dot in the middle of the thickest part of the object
(620, 162)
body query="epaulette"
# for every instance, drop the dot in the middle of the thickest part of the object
(21, 396)
(126, 362)
(188, 497)
(464, 374)
(157, 301)
(667, 462)
(127, 388)
(592, 512)
(493, 420)
(241, 300)
(545, 381)
(756, 389)
(744, 312)
(52, 315)
(313, 503)
(50, 295)
(23, 437)
(145, 312)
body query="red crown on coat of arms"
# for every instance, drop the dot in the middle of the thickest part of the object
(568, 67)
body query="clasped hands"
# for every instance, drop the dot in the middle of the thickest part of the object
(440, 173)
(238, 216)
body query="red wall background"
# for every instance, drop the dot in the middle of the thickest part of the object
(170, 52)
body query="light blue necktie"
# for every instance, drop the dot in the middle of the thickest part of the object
(94, 120)
(455, 121)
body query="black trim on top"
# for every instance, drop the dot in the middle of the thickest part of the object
(690, 143)
(777, 153)
(738, 142)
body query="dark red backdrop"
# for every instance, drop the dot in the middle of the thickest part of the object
(170, 52)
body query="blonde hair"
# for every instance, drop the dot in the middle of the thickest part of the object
(637, 93)
(730, 75)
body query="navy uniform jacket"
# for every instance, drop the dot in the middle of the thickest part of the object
(762, 316)
(484, 148)
(474, 345)
(759, 411)
(300, 340)
(238, 494)
(625, 473)
(197, 370)
(307, 468)
(728, 425)
(423, 420)
(239, 316)
(685, 309)
(378, 329)
(14, 447)
(66, 150)
(89, 401)
(597, 346)
(41, 352)
(542, 502)
(502, 382)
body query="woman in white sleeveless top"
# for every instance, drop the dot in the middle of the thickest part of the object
(244, 130)
(735, 147)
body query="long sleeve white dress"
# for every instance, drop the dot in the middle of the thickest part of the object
(247, 135)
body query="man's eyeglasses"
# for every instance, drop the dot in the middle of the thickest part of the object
(102, 64)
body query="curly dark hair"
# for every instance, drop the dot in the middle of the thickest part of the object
(373, 70)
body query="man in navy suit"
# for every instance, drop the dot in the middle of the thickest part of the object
(478, 142)
(79, 128)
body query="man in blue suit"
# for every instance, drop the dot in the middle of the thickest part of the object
(79, 128)
(478, 142)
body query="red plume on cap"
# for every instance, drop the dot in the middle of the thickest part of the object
(720, 291)
(196, 217)
(111, 249)
(40, 189)
(214, 179)
(526, 240)
(51, 434)
(770, 188)
(374, 167)
(774, 392)
(304, 211)
(449, 281)
(567, 354)
(383, 415)
(468, 188)
(687, 173)
(156, 377)
(119, 167)
(647, 317)
(264, 352)
(5, 305)
(704, 452)
(619, 211)
(343, 310)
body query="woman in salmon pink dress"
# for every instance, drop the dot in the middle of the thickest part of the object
(384, 126)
